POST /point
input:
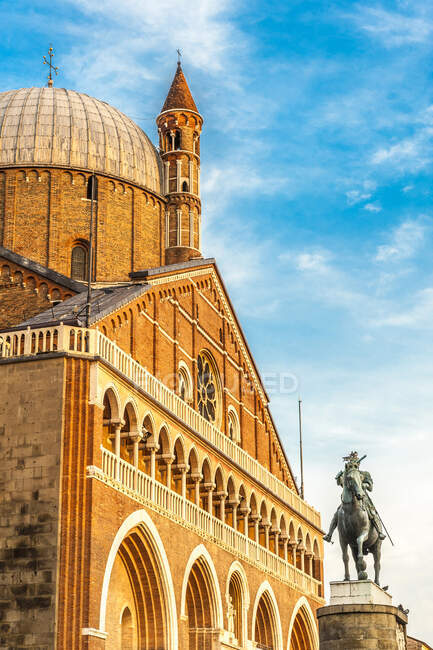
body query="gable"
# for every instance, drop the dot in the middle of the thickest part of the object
(181, 314)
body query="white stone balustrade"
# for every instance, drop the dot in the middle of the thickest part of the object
(91, 342)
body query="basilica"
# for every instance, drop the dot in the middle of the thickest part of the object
(146, 498)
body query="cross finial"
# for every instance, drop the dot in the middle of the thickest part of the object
(51, 66)
(179, 54)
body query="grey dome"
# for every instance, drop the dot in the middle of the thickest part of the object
(63, 128)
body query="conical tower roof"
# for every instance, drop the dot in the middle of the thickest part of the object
(179, 95)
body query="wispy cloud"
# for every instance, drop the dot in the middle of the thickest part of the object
(373, 207)
(394, 28)
(404, 241)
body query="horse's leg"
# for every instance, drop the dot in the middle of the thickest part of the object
(377, 550)
(343, 545)
(361, 564)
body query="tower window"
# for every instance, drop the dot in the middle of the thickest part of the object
(79, 262)
(177, 140)
(92, 186)
(184, 186)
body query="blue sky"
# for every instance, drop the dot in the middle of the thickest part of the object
(316, 185)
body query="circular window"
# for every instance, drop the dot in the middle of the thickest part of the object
(208, 388)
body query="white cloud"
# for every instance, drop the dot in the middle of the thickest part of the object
(417, 316)
(393, 28)
(356, 196)
(410, 149)
(408, 188)
(373, 207)
(405, 240)
(313, 262)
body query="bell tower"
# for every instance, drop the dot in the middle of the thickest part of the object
(179, 127)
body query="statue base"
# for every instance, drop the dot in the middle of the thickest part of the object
(361, 615)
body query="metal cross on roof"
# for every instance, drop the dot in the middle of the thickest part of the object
(179, 54)
(52, 67)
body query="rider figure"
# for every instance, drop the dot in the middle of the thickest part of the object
(353, 461)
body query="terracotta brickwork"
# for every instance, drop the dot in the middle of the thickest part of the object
(169, 325)
(43, 212)
(31, 402)
(24, 293)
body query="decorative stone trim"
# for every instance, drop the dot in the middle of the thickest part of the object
(90, 631)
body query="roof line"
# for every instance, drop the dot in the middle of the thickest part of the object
(54, 276)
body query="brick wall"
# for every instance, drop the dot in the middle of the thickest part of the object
(43, 212)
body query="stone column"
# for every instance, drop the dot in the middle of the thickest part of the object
(285, 541)
(209, 487)
(301, 551)
(168, 458)
(136, 439)
(266, 525)
(256, 520)
(222, 496)
(245, 511)
(308, 563)
(276, 533)
(293, 546)
(196, 478)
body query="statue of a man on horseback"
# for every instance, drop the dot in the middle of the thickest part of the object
(359, 525)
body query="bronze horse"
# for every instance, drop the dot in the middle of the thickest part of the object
(355, 527)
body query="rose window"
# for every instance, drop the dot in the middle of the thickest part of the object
(207, 388)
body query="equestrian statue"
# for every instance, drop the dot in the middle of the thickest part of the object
(359, 525)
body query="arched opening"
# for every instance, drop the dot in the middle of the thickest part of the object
(185, 186)
(148, 447)
(128, 432)
(264, 526)
(206, 486)
(136, 581)
(219, 495)
(177, 139)
(253, 519)
(92, 188)
(201, 606)
(232, 503)
(283, 538)
(303, 635)
(265, 624)
(235, 608)
(178, 467)
(243, 511)
(79, 262)
(193, 478)
(184, 383)
(128, 632)
(274, 532)
(233, 425)
(110, 419)
(317, 565)
(163, 458)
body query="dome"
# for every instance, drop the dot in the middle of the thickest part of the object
(63, 128)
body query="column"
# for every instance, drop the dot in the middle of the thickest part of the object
(301, 551)
(293, 546)
(191, 177)
(196, 478)
(256, 520)
(191, 229)
(245, 511)
(179, 227)
(276, 533)
(166, 177)
(308, 563)
(136, 438)
(209, 487)
(223, 496)
(167, 228)
(286, 544)
(168, 458)
(267, 527)
(178, 175)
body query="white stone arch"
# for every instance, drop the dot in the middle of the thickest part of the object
(149, 414)
(179, 439)
(303, 603)
(202, 552)
(112, 387)
(130, 401)
(140, 518)
(236, 567)
(265, 587)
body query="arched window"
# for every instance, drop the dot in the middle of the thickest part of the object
(185, 383)
(177, 139)
(233, 425)
(127, 626)
(92, 186)
(184, 186)
(208, 388)
(79, 262)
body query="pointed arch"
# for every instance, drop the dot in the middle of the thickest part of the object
(303, 634)
(266, 622)
(139, 532)
(238, 591)
(201, 598)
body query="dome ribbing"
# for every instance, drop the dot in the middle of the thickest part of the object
(63, 128)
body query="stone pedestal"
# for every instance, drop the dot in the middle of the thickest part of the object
(361, 615)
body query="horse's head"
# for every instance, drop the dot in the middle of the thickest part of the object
(353, 482)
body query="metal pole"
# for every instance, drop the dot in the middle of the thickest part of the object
(301, 455)
(90, 261)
